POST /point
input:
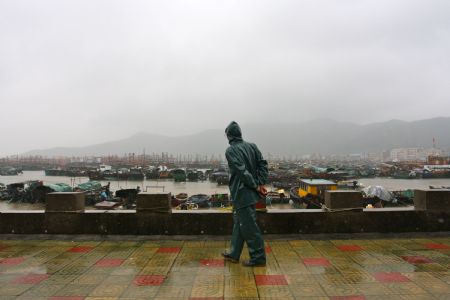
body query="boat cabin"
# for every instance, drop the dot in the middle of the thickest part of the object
(315, 187)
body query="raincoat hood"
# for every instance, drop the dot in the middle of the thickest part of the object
(233, 132)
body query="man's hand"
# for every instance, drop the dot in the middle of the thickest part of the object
(262, 191)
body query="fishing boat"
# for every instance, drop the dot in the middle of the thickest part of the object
(91, 189)
(201, 200)
(192, 175)
(348, 185)
(151, 173)
(109, 175)
(441, 187)
(179, 199)
(135, 174)
(315, 187)
(55, 172)
(276, 197)
(39, 191)
(311, 192)
(401, 174)
(220, 200)
(164, 174)
(179, 175)
(442, 171)
(9, 171)
(107, 205)
(127, 197)
(221, 177)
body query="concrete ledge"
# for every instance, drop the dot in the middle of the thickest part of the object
(343, 200)
(176, 211)
(65, 202)
(436, 199)
(154, 203)
(40, 211)
(282, 237)
(384, 209)
(220, 223)
(291, 210)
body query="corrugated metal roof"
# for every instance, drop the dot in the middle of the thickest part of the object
(317, 182)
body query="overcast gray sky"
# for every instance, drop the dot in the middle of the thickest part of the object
(81, 72)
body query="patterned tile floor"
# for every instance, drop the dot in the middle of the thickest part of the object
(400, 268)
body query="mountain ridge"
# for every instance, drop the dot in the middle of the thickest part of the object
(295, 138)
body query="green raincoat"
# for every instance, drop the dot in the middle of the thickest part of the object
(247, 167)
(248, 170)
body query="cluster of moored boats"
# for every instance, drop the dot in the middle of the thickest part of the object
(101, 196)
(309, 193)
(34, 191)
(108, 173)
(10, 171)
(286, 186)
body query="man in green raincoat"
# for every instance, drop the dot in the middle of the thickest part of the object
(248, 172)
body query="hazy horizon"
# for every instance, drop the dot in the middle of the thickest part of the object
(318, 136)
(76, 73)
(242, 124)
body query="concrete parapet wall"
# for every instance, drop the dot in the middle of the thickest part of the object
(65, 215)
(218, 223)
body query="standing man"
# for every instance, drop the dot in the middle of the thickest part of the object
(248, 175)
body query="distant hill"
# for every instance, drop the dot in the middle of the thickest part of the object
(319, 136)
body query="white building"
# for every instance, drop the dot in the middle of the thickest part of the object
(414, 154)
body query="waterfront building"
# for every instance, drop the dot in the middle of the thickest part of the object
(414, 154)
(438, 160)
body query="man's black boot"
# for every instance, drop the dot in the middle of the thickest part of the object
(249, 263)
(227, 257)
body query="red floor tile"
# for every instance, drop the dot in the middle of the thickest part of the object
(268, 249)
(348, 298)
(417, 259)
(212, 262)
(206, 298)
(323, 262)
(109, 262)
(390, 277)
(30, 279)
(149, 280)
(169, 250)
(350, 248)
(67, 298)
(436, 246)
(270, 280)
(12, 261)
(80, 249)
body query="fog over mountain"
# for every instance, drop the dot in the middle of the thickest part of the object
(319, 136)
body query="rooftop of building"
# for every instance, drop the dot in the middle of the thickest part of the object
(384, 267)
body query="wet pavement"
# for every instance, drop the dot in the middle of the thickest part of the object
(390, 268)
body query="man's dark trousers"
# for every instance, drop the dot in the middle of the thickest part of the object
(246, 229)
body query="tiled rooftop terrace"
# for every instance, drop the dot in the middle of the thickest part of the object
(386, 268)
